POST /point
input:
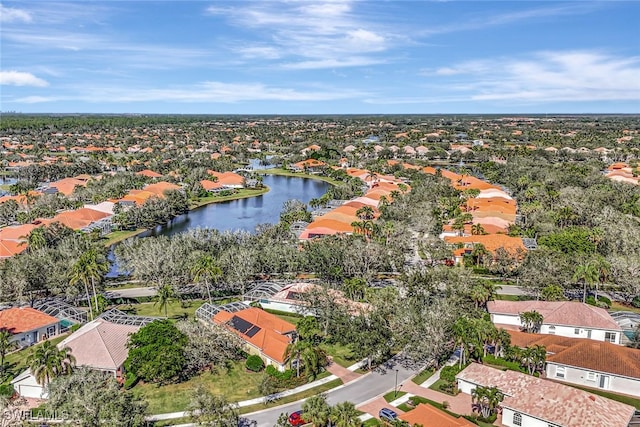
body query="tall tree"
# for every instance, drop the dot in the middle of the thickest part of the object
(47, 362)
(486, 400)
(588, 274)
(5, 345)
(205, 267)
(207, 409)
(89, 268)
(95, 399)
(165, 295)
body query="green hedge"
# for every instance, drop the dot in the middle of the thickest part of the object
(492, 360)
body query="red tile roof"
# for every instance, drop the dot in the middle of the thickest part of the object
(584, 353)
(270, 339)
(550, 401)
(567, 313)
(427, 415)
(24, 319)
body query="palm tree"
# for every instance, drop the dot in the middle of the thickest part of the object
(604, 270)
(37, 239)
(477, 229)
(531, 321)
(47, 362)
(345, 414)
(296, 348)
(479, 295)
(316, 410)
(588, 274)
(365, 213)
(462, 333)
(166, 294)
(479, 251)
(91, 267)
(206, 268)
(533, 358)
(5, 345)
(486, 399)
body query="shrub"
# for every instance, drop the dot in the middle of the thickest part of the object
(130, 380)
(449, 373)
(6, 390)
(636, 302)
(254, 363)
(492, 360)
(282, 376)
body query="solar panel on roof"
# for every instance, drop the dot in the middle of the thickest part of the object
(240, 325)
(251, 332)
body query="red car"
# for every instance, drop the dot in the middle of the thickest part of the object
(295, 419)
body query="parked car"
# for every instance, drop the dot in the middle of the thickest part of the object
(387, 414)
(295, 419)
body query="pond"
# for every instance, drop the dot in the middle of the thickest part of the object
(243, 214)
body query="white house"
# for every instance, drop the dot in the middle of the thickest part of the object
(28, 326)
(25, 385)
(564, 318)
(534, 402)
(585, 362)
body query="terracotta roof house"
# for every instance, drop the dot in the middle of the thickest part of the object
(564, 318)
(491, 242)
(264, 333)
(98, 345)
(149, 173)
(160, 187)
(533, 402)
(588, 363)
(427, 415)
(28, 326)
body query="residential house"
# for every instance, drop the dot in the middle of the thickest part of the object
(263, 333)
(427, 415)
(28, 326)
(99, 345)
(535, 402)
(585, 362)
(564, 318)
(289, 299)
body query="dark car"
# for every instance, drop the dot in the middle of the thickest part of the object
(387, 414)
(295, 419)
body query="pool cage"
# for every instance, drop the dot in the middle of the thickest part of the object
(263, 290)
(121, 318)
(206, 311)
(61, 310)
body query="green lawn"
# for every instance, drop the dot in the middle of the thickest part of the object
(616, 306)
(236, 384)
(342, 355)
(423, 376)
(119, 236)
(16, 362)
(371, 422)
(288, 317)
(175, 309)
(393, 395)
(240, 194)
(436, 386)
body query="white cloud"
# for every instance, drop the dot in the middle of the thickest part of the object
(205, 92)
(548, 77)
(311, 34)
(19, 78)
(331, 63)
(9, 14)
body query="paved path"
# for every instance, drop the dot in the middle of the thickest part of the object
(345, 374)
(147, 291)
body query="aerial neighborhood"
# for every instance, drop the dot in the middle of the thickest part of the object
(345, 271)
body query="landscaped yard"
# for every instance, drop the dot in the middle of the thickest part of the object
(236, 384)
(633, 401)
(175, 309)
(393, 395)
(616, 306)
(16, 362)
(423, 376)
(342, 355)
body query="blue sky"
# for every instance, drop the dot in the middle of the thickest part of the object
(320, 57)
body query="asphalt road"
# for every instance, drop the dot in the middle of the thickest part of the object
(358, 391)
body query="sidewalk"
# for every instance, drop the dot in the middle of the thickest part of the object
(347, 372)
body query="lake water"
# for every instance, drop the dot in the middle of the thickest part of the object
(243, 214)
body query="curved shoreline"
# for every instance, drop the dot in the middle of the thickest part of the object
(116, 237)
